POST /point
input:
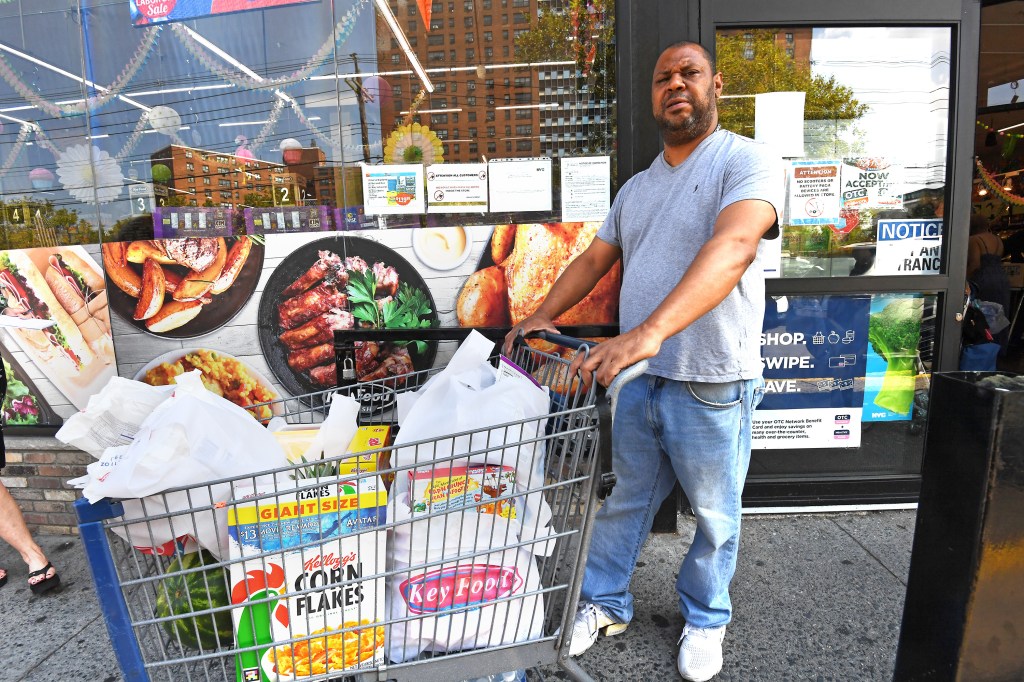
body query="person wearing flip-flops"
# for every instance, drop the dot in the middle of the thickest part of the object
(42, 575)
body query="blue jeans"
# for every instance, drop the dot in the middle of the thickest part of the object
(698, 433)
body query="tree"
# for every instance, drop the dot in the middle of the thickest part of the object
(830, 105)
(257, 199)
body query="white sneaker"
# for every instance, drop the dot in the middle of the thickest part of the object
(591, 619)
(700, 653)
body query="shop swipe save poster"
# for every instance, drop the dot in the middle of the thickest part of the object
(814, 351)
(145, 12)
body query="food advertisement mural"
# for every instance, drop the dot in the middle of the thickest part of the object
(55, 334)
(257, 314)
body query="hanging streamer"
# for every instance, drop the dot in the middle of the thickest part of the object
(990, 181)
(19, 144)
(342, 31)
(990, 129)
(94, 102)
(326, 141)
(268, 127)
(133, 140)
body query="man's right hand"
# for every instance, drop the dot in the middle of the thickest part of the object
(536, 322)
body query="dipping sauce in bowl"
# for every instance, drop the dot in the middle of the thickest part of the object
(441, 248)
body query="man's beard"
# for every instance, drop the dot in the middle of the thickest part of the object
(680, 132)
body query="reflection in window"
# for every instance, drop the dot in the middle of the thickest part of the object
(866, 110)
(299, 123)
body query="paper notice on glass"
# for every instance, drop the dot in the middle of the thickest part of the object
(393, 189)
(586, 188)
(517, 185)
(814, 192)
(779, 122)
(872, 182)
(457, 188)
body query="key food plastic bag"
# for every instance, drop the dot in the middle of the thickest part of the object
(112, 417)
(468, 397)
(192, 438)
(478, 599)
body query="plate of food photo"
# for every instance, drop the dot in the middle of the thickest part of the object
(340, 283)
(182, 288)
(223, 374)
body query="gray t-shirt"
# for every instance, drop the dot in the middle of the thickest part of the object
(660, 220)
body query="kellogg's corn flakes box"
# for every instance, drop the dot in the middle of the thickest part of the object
(312, 550)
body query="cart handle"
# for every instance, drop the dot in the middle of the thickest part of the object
(584, 346)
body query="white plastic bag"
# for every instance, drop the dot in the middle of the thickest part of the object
(433, 594)
(191, 439)
(112, 417)
(466, 396)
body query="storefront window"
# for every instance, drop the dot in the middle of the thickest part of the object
(861, 117)
(301, 92)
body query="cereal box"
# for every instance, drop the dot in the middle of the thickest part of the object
(310, 553)
(444, 489)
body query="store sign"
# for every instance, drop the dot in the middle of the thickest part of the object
(908, 247)
(814, 351)
(146, 12)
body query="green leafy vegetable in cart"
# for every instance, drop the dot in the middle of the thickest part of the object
(894, 333)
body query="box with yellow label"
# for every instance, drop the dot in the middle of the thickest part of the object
(313, 552)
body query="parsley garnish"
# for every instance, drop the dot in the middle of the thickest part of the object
(407, 310)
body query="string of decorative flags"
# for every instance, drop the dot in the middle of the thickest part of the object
(990, 129)
(996, 187)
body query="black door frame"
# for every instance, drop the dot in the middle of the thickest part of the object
(645, 27)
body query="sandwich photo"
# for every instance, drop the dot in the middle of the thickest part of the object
(81, 291)
(25, 294)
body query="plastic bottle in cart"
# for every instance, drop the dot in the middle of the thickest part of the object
(511, 676)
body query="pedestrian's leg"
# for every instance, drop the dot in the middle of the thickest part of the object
(645, 478)
(14, 532)
(707, 436)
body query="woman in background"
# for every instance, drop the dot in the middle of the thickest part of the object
(42, 575)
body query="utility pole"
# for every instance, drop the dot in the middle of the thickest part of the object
(362, 112)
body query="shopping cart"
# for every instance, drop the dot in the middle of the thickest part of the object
(509, 594)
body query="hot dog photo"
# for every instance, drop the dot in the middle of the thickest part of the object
(62, 286)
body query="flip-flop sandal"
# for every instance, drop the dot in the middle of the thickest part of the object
(46, 584)
(3, 578)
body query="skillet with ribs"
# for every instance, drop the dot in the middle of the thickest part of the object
(307, 300)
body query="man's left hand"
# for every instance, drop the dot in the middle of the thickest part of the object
(607, 359)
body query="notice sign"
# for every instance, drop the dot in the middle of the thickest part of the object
(814, 351)
(908, 247)
(146, 12)
(393, 189)
(872, 182)
(814, 192)
(457, 188)
(518, 185)
(586, 188)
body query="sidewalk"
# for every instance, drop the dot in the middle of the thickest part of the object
(816, 597)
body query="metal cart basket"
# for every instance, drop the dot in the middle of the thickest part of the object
(495, 522)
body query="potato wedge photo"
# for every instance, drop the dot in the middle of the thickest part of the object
(232, 266)
(172, 315)
(195, 285)
(115, 262)
(154, 286)
(139, 251)
(502, 241)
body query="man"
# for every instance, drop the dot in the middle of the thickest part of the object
(688, 231)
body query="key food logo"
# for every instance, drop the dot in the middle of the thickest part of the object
(451, 588)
